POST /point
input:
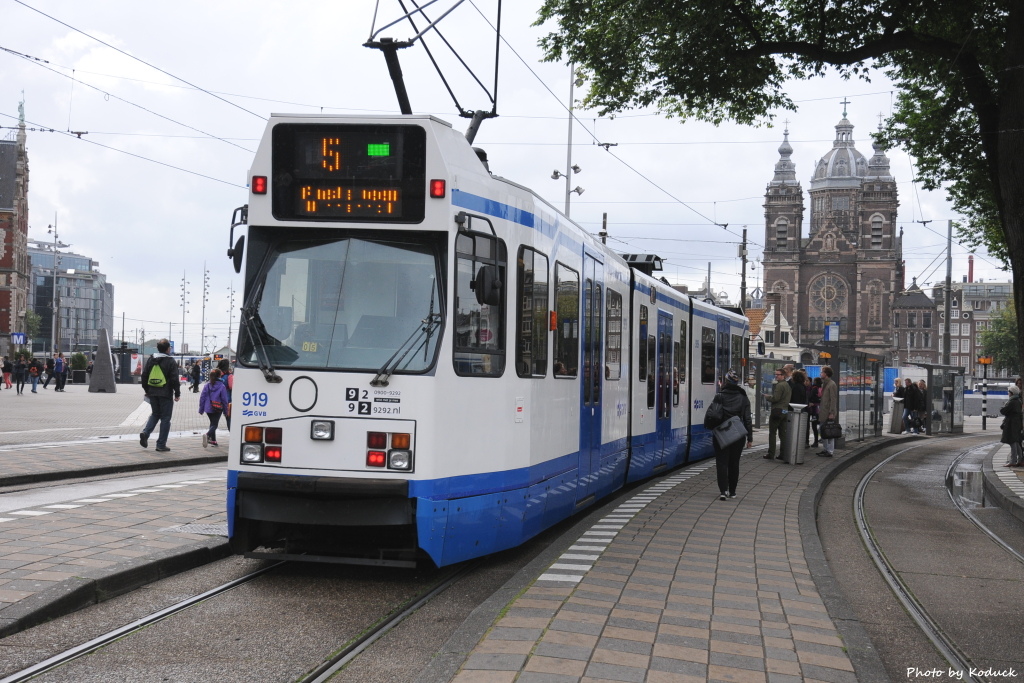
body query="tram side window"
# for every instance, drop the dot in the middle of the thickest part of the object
(737, 353)
(684, 344)
(567, 315)
(723, 353)
(642, 346)
(676, 353)
(707, 355)
(613, 338)
(532, 314)
(651, 360)
(480, 277)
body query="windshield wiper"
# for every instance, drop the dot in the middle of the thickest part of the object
(429, 324)
(254, 328)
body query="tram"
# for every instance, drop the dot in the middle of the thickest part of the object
(433, 362)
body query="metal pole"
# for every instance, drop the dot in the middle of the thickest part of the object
(743, 272)
(568, 149)
(949, 292)
(984, 395)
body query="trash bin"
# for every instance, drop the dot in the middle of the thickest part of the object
(795, 445)
(896, 419)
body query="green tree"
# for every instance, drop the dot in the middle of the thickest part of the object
(959, 68)
(1000, 341)
(32, 323)
(79, 361)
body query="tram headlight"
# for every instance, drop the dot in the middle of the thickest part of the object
(400, 460)
(252, 452)
(321, 430)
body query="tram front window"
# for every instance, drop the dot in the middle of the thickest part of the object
(351, 304)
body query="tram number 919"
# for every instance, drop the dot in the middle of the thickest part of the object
(256, 399)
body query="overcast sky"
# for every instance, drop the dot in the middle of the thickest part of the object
(149, 188)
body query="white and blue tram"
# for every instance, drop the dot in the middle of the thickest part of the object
(435, 362)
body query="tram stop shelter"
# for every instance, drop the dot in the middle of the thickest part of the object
(945, 399)
(861, 394)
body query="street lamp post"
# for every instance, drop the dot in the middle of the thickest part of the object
(55, 304)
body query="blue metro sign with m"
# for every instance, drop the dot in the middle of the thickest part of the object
(19, 338)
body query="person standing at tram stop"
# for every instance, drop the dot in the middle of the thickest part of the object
(162, 386)
(829, 409)
(8, 368)
(779, 399)
(1013, 427)
(727, 460)
(912, 403)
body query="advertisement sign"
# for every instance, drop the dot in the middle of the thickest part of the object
(832, 332)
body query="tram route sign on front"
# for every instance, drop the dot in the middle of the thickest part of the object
(348, 172)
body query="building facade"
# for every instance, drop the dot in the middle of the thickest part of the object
(14, 262)
(973, 306)
(84, 299)
(849, 267)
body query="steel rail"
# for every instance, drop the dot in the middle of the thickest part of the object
(344, 656)
(966, 512)
(914, 608)
(139, 624)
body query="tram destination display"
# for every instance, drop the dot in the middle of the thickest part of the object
(348, 172)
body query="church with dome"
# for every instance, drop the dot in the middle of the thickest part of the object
(847, 266)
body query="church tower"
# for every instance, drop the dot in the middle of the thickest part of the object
(849, 267)
(784, 215)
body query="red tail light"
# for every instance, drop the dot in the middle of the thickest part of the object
(272, 454)
(437, 189)
(376, 440)
(273, 434)
(376, 458)
(259, 184)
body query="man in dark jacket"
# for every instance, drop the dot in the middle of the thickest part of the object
(779, 398)
(162, 386)
(913, 401)
(195, 375)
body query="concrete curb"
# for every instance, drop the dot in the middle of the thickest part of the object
(138, 466)
(97, 585)
(1001, 495)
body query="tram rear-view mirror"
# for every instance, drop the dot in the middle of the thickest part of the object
(236, 253)
(488, 286)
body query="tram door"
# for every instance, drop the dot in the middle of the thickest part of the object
(663, 396)
(592, 377)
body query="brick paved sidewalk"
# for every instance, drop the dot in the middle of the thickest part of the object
(50, 436)
(56, 558)
(676, 585)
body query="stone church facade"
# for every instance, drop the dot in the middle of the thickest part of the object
(849, 267)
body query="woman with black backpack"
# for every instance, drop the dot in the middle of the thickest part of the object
(734, 403)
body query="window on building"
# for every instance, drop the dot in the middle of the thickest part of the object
(926, 319)
(955, 313)
(896, 319)
(781, 233)
(911, 318)
(954, 346)
(783, 337)
(876, 232)
(769, 337)
(926, 342)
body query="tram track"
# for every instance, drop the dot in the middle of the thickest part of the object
(962, 665)
(62, 666)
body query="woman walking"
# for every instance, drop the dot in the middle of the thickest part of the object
(727, 460)
(20, 370)
(1013, 426)
(212, 402)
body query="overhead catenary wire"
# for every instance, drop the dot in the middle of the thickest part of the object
(141, 61)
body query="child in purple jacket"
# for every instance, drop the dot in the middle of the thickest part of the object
(212, 402)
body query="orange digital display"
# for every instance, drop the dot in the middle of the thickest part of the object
(349, 172)
(350, 201)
